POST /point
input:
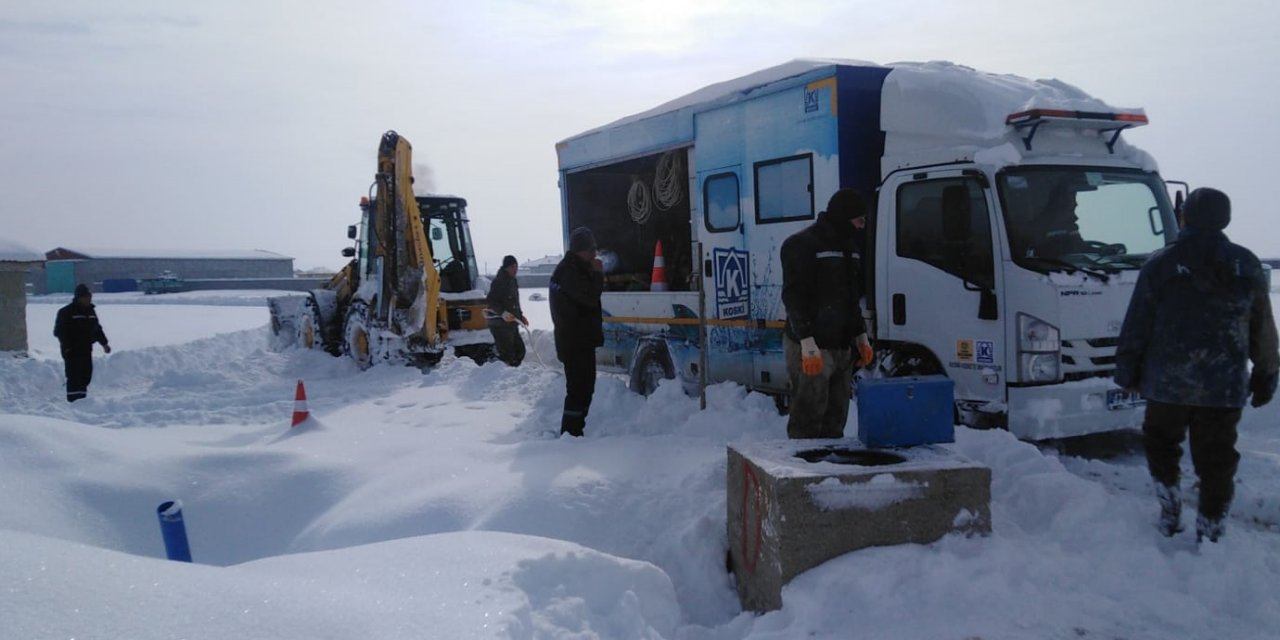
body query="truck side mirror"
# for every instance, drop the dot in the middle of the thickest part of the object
(351, 231)
(348, 252)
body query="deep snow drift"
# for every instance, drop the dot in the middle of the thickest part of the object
(440, 505)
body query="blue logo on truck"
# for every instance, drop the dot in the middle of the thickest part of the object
(810, 100)
(733, 279)
(986, 352)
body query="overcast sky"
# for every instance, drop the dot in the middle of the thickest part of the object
(168, 124)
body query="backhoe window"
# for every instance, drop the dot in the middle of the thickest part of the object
(1064, 218)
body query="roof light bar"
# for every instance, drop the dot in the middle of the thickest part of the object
(1026, 117)
(1103, 121)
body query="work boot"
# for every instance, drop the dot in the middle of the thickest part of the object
(1170, 497)
(1209, 527)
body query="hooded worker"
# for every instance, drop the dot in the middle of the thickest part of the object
(77, 329)
(1200, 312)
(575, 291)
(825, 335)
(503, 313)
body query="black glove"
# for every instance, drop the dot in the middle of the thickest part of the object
(1263, 387)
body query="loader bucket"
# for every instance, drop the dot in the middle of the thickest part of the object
(285, 311)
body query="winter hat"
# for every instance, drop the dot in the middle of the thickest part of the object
(846, 205)
(1207, 209)
(82, 291)
(581, 239)
(508, 261)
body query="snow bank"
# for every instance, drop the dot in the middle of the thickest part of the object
(457, 585)
(441, 504)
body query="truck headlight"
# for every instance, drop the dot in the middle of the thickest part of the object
(1036, 335)
(1039, 367)
(1039, 350)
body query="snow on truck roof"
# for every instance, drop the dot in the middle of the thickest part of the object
(929, 98)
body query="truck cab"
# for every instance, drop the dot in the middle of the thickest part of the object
(1032, 267)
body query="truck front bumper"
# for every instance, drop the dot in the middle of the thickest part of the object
(1068, 409)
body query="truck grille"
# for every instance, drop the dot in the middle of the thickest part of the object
(1089, 358)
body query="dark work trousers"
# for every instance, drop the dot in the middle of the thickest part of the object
(79, 370)
(1213, 449)
(580, 385)
(506, 339)
(819, 404)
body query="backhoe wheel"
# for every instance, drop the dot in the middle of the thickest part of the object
(309, 334)
(356, 340)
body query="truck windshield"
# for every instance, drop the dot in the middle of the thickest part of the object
(1084, 218)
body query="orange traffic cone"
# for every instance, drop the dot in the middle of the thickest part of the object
(658, 281)
(300, 412)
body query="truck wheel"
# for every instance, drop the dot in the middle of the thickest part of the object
(652, 365)
(356, 341)
(309, 331)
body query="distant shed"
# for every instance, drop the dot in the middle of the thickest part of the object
(15, 262)
(66, 267)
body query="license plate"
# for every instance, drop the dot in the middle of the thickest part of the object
(1121, 399)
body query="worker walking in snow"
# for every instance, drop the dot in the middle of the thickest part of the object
(575, 291)
(825, 336)
(77, 328)
(503, 312)
(1201, 310)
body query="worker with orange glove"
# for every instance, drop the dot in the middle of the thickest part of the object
(825, 335)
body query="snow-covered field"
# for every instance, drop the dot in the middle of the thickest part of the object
(435, 505)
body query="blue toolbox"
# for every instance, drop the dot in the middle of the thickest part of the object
(902, 412)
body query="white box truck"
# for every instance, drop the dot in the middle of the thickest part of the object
(966, 171)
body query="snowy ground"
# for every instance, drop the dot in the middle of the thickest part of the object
(435, 506)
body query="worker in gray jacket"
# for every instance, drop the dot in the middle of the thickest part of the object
(502, 312)
(1200, 312)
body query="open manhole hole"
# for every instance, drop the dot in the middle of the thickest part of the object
(855, 457)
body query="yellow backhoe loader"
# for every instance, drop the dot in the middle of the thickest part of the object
(410, 291)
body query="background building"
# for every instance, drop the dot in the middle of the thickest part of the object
(535, 274)
(118, 270)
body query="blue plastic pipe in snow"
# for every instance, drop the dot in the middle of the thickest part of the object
(174, 531)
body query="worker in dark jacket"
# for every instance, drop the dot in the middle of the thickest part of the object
(575, 292)
(503, 312)
(1201, 310)
(825, 336)
(77, 328)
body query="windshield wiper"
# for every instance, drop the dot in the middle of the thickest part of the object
(1131, 259)
(1063, 265)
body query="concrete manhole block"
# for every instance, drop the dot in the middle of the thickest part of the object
(795, 504)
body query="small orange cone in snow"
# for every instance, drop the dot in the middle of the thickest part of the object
(658, 280)
(300, 412)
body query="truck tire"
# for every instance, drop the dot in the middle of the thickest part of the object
(310, 331)
(357, 341)
(652, 365)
